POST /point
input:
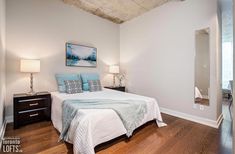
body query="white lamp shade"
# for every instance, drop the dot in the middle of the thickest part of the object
(29, 66)
(114, 69)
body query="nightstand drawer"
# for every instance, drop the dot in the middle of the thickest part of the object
(31, 108)
(31, 116)
(29, 104)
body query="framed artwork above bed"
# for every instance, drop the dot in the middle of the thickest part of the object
(80, 55)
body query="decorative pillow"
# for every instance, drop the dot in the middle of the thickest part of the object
(60, 78)
(88, 76)
(94, 85)
(73, 86)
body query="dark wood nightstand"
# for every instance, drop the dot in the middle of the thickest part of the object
(31, 108)
(123, 89)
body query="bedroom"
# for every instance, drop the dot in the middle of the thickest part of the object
(154, 50)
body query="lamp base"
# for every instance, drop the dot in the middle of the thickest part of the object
(31, 93)
(114, 84)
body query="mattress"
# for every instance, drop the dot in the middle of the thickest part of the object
(101, 125)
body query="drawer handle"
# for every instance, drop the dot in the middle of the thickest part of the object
(33, 115)
(34, 104)
(30, 100)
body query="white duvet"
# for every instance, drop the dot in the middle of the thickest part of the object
(97, 126)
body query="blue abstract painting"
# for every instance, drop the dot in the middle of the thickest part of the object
(79, 55)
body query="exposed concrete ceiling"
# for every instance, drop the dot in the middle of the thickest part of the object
(117, 11)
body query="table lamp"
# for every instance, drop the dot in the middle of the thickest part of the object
(30, 66)
(114, 69)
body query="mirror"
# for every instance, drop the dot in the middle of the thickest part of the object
(202, 66)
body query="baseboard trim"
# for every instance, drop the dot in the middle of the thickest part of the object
(204, 121)
(219, 120)
(2, 132)
(7, 120)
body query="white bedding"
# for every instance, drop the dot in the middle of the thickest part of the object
(97, 126)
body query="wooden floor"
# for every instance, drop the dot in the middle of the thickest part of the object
(179, 137)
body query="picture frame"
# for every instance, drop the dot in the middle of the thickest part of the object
(80, 55)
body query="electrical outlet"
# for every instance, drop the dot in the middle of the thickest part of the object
(195, 106)
(201, 107)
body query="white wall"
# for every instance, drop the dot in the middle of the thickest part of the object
(157, 53)
(219, 61)
(39, 29)
(2, 59)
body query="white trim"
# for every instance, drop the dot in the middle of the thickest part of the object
(7, 120)
(200, 120)
(2, 132)
(204, 121)
(219, 120)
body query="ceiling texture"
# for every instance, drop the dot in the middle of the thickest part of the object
(117, 11)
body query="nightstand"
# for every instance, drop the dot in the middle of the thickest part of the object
(123, 89)
(31, 108)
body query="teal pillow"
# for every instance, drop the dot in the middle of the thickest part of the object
(88, 76)
(60, 78)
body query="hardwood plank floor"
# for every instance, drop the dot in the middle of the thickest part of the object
(179, 137)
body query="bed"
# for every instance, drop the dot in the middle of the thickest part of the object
(97, 126)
